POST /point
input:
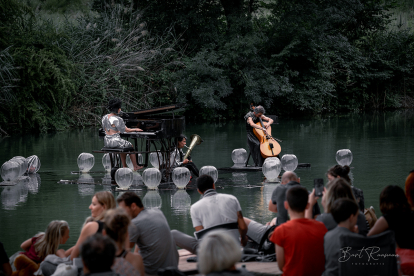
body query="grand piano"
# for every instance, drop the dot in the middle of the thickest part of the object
(160, 126)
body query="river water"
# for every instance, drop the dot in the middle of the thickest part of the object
(381, 143)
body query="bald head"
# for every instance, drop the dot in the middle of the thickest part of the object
(289, 176)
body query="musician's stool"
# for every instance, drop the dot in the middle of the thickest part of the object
(114, 155)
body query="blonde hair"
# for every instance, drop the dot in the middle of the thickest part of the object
(107, 200)
(218, 251)
(116, 224)
(338, 188)
(48, 242)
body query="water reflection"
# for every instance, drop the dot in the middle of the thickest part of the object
(34, 183)
(152, 199)
(137, 181)
(107, 179)
(181, 200)
(239, 178)
(86, 189)
(11, 196)
(267, 192)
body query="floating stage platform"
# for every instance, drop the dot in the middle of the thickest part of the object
(161, 186)
(256, 268)
(249, 168)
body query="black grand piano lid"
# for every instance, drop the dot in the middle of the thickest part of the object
(154, 111)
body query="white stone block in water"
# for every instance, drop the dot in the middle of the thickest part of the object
(271, 170)
(124, 178)
(289, 162)
(86, 162)
(152, 199)
(33, 164)
(211, 171)
(10, 171)
(181, 176)
(239, 157)
(181, 200)
(106, 162)
(152, 178)
(22, 162)
(129, 162)
(344, 157)
(156, 159)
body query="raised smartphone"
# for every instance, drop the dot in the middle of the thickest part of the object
(318, 183)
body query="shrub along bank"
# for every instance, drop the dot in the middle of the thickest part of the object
(292, 56)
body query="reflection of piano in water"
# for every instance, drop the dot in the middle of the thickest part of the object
(160, 129)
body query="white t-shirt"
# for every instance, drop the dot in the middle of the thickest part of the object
(215, 209)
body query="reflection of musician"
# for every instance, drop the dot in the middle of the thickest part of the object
(252, 118)
(113, 126)
(179, 161)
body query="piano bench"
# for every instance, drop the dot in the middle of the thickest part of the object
(117, 150)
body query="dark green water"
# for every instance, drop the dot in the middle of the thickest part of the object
(381, 143)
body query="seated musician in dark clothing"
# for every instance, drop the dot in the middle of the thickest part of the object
(179, 156)
(252, 118)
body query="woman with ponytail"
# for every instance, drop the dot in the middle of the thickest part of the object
(116, 227)
(343, 172)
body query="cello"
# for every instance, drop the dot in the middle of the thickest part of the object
(268, 145)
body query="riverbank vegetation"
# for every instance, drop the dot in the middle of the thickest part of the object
(60, 61)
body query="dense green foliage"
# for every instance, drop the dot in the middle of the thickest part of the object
(57, 76)
(292, 56)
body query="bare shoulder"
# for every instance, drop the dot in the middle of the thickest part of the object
(90, 228)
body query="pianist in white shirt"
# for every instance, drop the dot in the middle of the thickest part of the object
(113, 126)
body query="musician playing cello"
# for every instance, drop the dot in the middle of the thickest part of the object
(252, 118)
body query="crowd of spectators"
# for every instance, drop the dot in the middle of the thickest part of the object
(132, 240)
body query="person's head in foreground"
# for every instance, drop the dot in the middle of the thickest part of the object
(57, 232)
(218, 251)
(393, 199)
(289, 176)
(345, 212)
(296, 200)
(116, 225)
(204, 183)
(131, 203)
(338, 171)
(101, 202)
(98, 254)
(337, 188)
